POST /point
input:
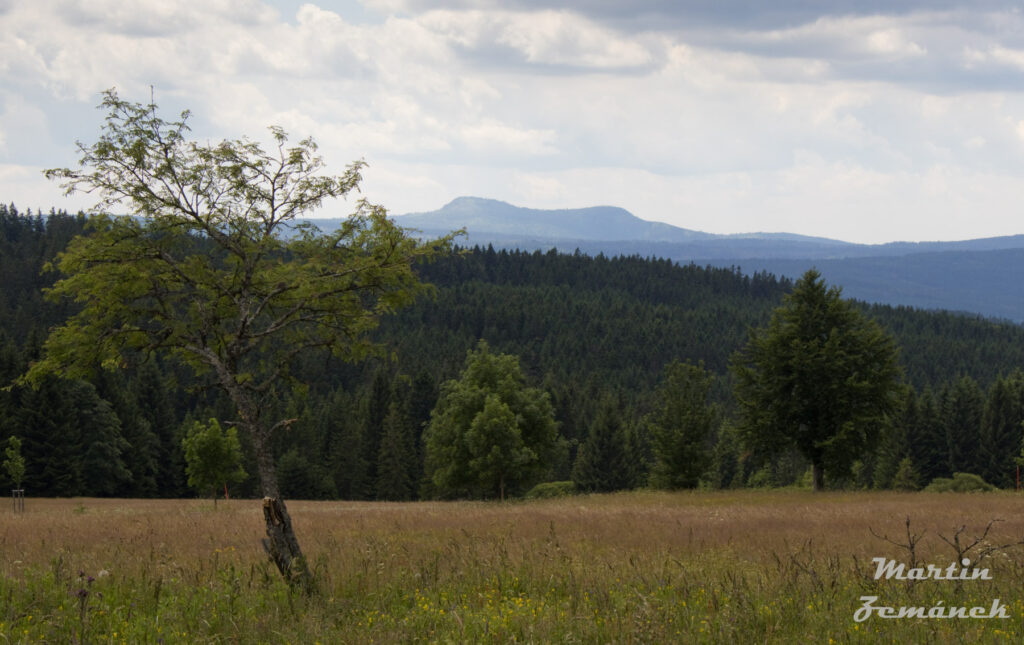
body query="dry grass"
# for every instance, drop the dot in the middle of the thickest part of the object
(636, 567)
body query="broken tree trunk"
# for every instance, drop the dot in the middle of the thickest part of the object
(282, 546)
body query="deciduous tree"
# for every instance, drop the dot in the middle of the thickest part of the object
(489, 432)
(14, 463)
(214, 267)
(213, 457)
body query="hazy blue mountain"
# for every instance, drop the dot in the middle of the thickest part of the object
(490, 220)
(983, 276)
(990, 283)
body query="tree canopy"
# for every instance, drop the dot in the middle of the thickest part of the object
(14, 463)
(489, 432)
(821, 377)
(213, 457)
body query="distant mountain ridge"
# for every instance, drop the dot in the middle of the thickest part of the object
(490, 217)
(982, 276)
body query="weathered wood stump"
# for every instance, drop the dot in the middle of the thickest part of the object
(282, 546)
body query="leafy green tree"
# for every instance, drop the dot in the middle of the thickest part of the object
(213, 457)
(822, 377)
(214, 269)
(681, 427)
(490, 433)
(14, 464)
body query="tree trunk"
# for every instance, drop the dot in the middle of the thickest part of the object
(280, 544)
(818, 477)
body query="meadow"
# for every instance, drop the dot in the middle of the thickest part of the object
(641, 567)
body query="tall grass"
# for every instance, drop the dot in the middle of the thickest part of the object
(643, 567)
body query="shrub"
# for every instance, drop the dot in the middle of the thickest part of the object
(552, 489)
(961, 483)
(907, 477)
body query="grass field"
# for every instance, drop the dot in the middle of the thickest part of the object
(643, 567)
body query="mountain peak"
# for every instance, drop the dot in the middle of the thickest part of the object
(481, 217)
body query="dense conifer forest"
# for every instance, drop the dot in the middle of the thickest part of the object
(596, 333)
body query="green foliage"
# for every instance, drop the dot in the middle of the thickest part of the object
(14, 463)
(583, 327)
(213, 267)
(681, 427)
(301, 479)
(906, 477)
(396, 458)
(490, 433)
(213, 457)
(962, 405)
(604, 461)
(960, 483)
(547, 490)
(821, 377)
(1000, 436)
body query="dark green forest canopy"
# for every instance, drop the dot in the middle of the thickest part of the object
(613, 319)
(583, 328)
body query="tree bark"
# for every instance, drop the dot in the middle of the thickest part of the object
(818, 477)
(280, 544)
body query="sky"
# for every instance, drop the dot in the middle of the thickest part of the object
(868, 121)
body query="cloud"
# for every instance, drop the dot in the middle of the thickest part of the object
(543, 39)
(791, 115)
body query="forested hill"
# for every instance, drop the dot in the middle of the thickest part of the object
(584, 328)
(624, 318)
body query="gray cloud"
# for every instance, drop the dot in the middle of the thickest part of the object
(672, 14)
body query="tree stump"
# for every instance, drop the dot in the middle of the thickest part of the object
(282, 546)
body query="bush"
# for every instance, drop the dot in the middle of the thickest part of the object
(552, 489)
(961, 483)
(906, 477)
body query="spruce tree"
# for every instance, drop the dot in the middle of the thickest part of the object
(821, 377)
(395, 462)
(1001, 431)
(963, 405)
(681, 427)
(603, 461)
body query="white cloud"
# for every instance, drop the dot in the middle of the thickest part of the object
(857, 126)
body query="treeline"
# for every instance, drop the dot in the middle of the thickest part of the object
(595, 333)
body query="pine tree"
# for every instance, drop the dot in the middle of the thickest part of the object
(681, 427)
(1001, 431)
(822, 377)
(907, 477)
(603, 461)
(963, 405)
(395, 463)
(931, 452)
(377, 406)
